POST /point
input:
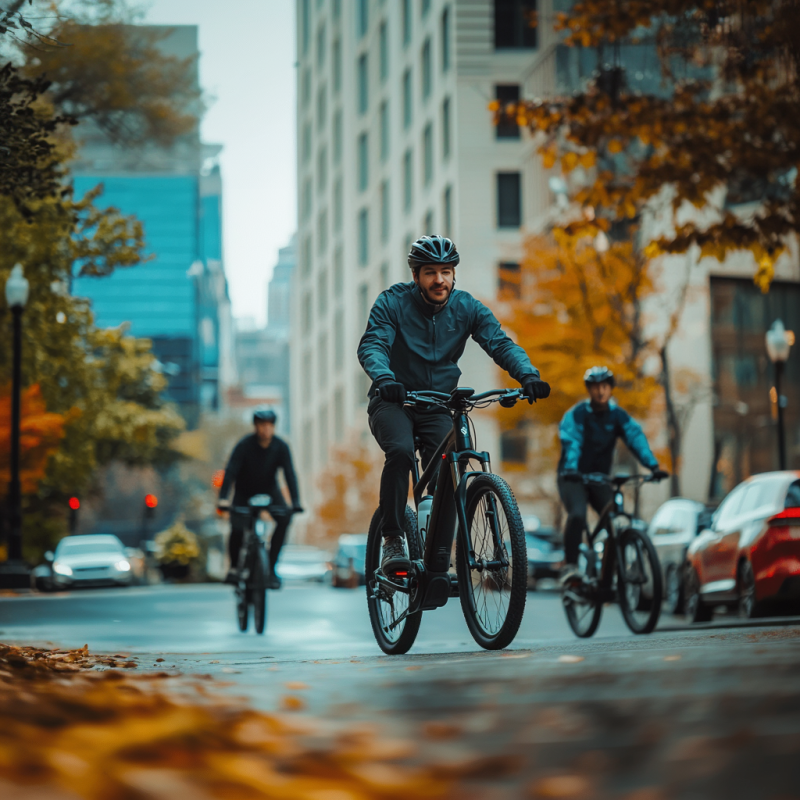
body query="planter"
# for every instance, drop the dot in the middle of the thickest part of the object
(174, 570)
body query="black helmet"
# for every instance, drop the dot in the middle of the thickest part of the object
(264, 414)
(599, 375)
(432, 250)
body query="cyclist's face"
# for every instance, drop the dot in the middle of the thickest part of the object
(600, 393)
(264, 431)
(436, 282)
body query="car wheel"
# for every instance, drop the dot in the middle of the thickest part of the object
(673, 595)
(696, 610)
(748, 606)
(43, 585)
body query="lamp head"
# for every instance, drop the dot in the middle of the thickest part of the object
(779, 342)
(17, 288)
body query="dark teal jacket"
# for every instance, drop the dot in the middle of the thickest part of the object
(406, 341)
(588, 438)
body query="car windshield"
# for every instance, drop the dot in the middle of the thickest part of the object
(793, 496)
(87, 548)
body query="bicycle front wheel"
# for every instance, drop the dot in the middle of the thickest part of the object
(494, 589)
(394, 629)
(258, 582)
(639, 583)
(581, 603)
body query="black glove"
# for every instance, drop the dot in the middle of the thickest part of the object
(297, 509)
(659, 474)
(392, 392)
(535, 389)
(571, 476)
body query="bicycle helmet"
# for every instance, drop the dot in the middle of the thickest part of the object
(264, 414)
(599, 375)
(433, 249)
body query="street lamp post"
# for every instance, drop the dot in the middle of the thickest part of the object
(14, 573)
(779, 343)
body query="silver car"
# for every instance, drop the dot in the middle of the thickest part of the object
(672, 529)
(90, 560)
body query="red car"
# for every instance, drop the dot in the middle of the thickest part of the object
(750, 554)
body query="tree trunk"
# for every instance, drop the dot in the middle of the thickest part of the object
(673, 424)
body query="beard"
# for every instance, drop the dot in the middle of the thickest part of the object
(431, 300)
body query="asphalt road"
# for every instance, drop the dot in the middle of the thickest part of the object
(686, 712)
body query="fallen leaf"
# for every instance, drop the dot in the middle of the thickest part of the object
(560, 786)
(570, 659)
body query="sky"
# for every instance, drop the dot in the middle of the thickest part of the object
(247, 56)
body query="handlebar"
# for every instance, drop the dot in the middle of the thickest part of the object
(459, 398)
(614, 480)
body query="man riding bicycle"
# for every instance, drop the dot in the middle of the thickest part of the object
(415, 336)
(589, 433)
(253, 468)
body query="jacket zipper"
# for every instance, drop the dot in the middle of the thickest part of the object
(433, 317)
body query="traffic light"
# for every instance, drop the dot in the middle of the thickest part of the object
(150, 505)
(74, 504)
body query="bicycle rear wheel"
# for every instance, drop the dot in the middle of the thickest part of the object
(258, 584)
(492, 597)
(386, 605)
(242, 609)
(639, 584)
(581, 604)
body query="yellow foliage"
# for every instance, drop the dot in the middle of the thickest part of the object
(176, 544)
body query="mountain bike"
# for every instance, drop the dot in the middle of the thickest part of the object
(253, 567)
(476, 507)
(618, 563)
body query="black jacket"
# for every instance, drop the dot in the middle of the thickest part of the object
(407, 341)
(253, 469)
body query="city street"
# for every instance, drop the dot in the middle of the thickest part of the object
(711, 711)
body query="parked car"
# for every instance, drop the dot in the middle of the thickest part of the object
(750, 554)
(299, 562)
(672, 529)
(86, 560)
(545, 550)
(348, 567)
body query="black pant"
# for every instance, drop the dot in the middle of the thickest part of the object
(239, 523)
(574, 496)
(394, 428)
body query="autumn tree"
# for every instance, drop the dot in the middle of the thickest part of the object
(720, 132)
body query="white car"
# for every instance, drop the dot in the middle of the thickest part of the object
(298, 562)
(89, 560)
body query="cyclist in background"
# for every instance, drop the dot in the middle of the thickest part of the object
(253, 468)
(415, 336)
(589, 433)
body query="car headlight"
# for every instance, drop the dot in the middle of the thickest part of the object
(122, 565)
(62, 569)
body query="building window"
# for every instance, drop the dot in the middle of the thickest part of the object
(322, 359)
(509, 200)
(307, 141)
(338, 205)
(322, 169)
(338, 415)
(307, 312)
(408, 99)
(337, 137)
(322, 433)
(322, 231)
(322, 107)
(307, 256)
(338, 340)
(337, 66)
(514, 446)
(338, 273)
(427, 154)
(427, 223)
(507, 127)
(384, 126)
(308, 376)
(408, 180)
(306, 200)
(363, 305)
(447, 212)
(427, 71)
(426, 7)
(322, 293)
(305, 94)
(385, 220)
(445, 32)
(407, 19)
(446, 129)
(321, 41)
(305, 14)
(362, 17)
(383, 45)
(363, 84)
(363, 162)
(363, 237)
(384, 275)
(513, 24)
(509, 280)
(337, 9)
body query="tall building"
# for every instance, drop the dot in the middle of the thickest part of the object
(178, 299)
(396, 141)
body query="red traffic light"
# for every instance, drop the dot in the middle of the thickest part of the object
(218, 478)
(150, 500)
(74, 503)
